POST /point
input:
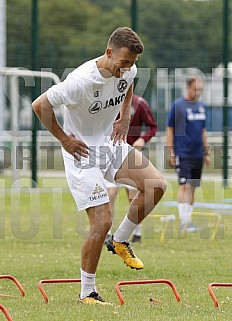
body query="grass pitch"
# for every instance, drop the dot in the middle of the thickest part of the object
(41, 236)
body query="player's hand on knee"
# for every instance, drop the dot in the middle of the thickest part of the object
(120, 130)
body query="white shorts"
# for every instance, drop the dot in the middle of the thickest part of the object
(87, 182)
(112, 185)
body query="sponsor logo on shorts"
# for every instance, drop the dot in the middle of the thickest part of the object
(182, 180)
(98, 193)
(97, 189)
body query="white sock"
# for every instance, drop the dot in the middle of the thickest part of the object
(138, 230)
(124, 231)
(190, 212)
(87, 284)
(109, 232)
(184, 213)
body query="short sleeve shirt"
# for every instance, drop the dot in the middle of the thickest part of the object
(188, 120)
(91, 102)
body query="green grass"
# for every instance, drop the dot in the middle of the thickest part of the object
(50, 248)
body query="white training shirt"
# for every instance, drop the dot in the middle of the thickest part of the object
(91, 101)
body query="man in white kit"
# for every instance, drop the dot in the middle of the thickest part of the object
(94, 148)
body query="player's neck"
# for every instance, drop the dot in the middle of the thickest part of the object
(103, 68)
(190, 99)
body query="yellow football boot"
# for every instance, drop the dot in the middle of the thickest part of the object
(125, 252)
(94, 298)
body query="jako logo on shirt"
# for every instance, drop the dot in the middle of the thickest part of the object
(97, 105)
(114, 101)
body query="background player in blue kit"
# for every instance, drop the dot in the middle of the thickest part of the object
(188, 147)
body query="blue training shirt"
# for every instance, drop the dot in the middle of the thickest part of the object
(188, 120)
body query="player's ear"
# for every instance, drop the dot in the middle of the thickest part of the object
(109, 52)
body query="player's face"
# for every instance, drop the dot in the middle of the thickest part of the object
(194, 91)
(120, 60)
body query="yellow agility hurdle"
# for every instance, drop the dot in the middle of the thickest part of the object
(218, 218)
(166, 219)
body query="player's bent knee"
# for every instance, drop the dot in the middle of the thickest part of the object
(164, 185)
(156, 189)
(107, 225)
(102, 228)
(106, 222)
(156, 183)
(102, 220)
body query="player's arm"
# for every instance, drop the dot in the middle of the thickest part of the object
(149, 120)
(44, 111)
(170, 134)
(170, 145)
(125, 109)
(121, 126)
(206, 146)
(145, 116)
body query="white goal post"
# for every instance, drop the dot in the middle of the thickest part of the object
(29, 77)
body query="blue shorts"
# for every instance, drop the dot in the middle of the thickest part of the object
(189, 170)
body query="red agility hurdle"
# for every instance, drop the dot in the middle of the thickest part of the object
(117, 288)
(4, 310)
(54, 281)
(213, 296)
(12, 278)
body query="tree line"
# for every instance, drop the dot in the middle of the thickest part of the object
(180, 33)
